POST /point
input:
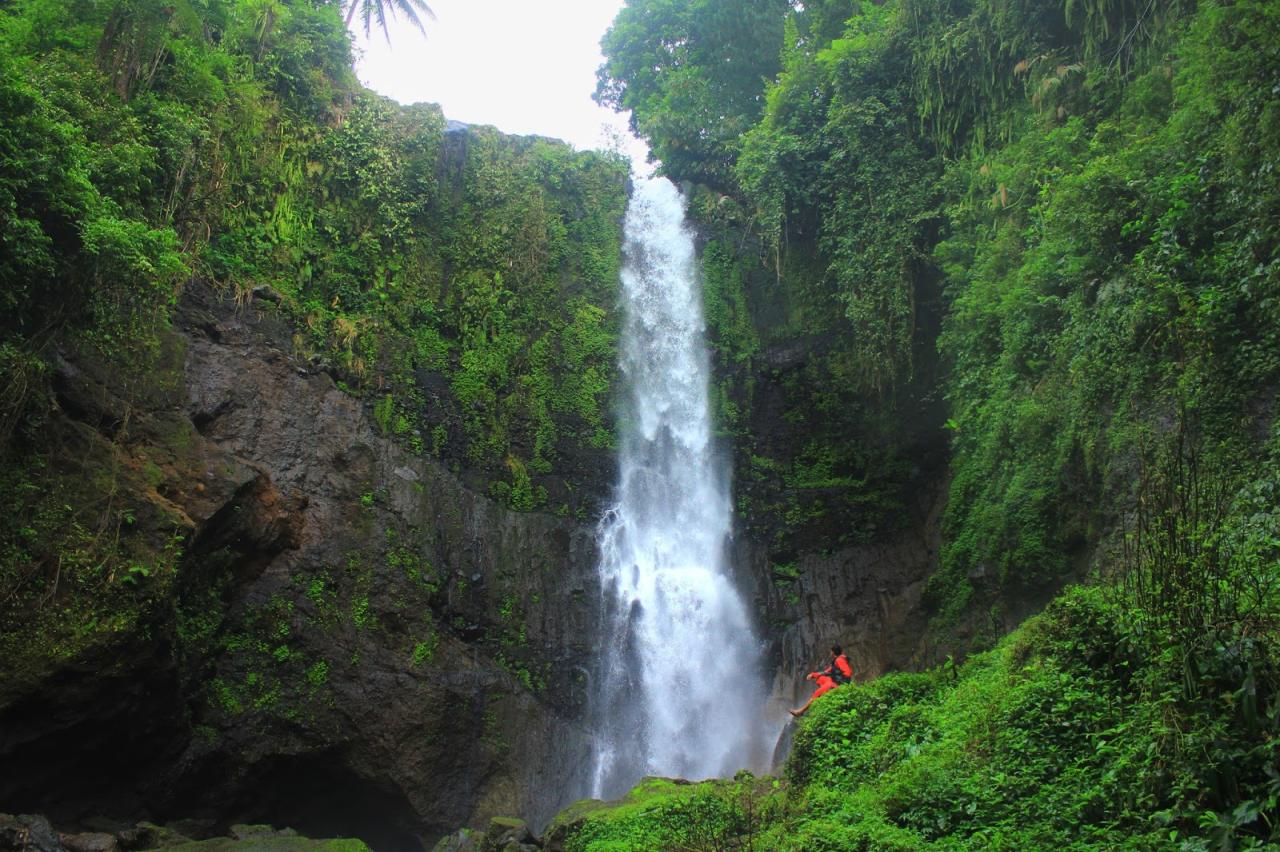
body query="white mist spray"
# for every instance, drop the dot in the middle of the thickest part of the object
(678, 692)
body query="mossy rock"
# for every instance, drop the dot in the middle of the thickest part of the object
(649, 791)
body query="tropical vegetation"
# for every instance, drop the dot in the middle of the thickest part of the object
(1045, 231)
(459, 283)
(1025, 253)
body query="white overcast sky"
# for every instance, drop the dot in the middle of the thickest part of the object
(524, 67)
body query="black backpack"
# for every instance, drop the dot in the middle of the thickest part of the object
(837, 675)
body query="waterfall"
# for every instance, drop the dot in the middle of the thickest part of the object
(677, 691)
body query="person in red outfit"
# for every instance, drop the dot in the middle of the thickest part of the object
(837, 673)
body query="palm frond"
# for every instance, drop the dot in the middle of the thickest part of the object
(378, 11)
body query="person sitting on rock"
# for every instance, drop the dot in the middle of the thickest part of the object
(837, 673)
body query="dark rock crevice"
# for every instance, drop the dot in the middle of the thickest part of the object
(316, 793)
(89, 738)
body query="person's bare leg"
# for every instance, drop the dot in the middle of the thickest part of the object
(800, 712)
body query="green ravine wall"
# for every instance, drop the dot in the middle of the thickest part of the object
(306, 412)
(1027, 251)
(461, 284)
(305, 407)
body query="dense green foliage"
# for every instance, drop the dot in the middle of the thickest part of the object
(662, 814)
(460, 282)
(1117, 294)
(692, 74)
(1075, 204)
(838, 147)
(818, 462)
(1078, 731)
(146, 144)
(500, 278)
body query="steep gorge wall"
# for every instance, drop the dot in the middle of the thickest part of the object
(352, 642)
(1047, 264)
(839, 491)
(304, 418)
(461, 626)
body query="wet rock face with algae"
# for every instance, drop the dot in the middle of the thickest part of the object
(350, 642)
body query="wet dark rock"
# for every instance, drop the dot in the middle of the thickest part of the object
(33, 833)
(789, 355)
(259, 832)
(86, 396)
(782, 748)
(27, 833)
(92, 841)
(503, 834)
(186, 830)
(568, 821)
(508, 834)
(462, 840)
(866, 598)
(148, 835)
(267, 293)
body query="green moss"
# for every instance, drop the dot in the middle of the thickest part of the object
(492, 736)
(532, 676)
(361, 617)
(318, 673)
(384, 414)
(227, 699)
(660, 814)
(86, 561)
(725, 303)
(424, 651)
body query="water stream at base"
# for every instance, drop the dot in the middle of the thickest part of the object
(677, 691)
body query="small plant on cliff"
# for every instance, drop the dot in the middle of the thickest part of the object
(318, 674)
(424, 651)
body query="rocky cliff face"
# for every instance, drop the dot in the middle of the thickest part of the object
(865, 597)
(869, 598)
(352, 643)
(839, 487)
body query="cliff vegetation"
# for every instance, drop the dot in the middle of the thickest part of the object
(296, 385)
(1036, 242)
(1029, 250)
(460, 283)
(1023, 252)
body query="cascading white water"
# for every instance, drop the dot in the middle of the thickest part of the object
(678, 691)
